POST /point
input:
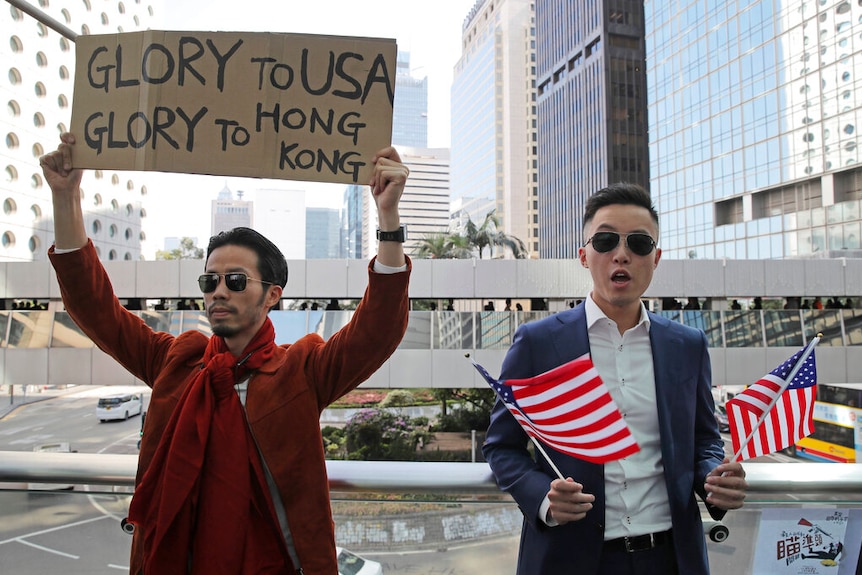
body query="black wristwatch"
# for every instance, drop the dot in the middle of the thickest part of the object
(398, 235)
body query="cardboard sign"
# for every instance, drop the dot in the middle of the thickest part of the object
(287, 106)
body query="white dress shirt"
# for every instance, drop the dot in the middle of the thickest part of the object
(636, 500)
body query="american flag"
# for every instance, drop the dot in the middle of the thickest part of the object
(569, 409)
(786, 408)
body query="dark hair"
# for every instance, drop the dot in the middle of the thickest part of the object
(620, 193)
(270, 260)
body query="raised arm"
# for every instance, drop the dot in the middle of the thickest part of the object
(65, 183)
(387, 185)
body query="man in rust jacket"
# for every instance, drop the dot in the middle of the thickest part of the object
(231, 477)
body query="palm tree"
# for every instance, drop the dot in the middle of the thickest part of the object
(487, 235)
(443, 246)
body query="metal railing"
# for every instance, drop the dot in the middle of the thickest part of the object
(768, 482)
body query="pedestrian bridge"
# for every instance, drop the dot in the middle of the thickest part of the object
(46, 348)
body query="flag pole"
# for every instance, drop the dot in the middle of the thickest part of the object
(538, 445)
(536, 442)
(787, 380)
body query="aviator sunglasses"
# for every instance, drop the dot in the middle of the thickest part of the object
(640, 244)
(235, 281)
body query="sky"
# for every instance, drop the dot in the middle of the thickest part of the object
(179, 205)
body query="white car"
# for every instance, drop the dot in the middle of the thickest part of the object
(350, 563)
(120, 406)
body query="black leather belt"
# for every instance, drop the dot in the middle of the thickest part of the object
(638, 542)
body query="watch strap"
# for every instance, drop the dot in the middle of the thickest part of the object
(398, 235)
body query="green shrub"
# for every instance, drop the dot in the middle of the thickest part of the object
(398, 398)
(463, 419)
(333, 442)
(378, 435)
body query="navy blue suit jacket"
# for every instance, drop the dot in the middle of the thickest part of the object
(690, 443)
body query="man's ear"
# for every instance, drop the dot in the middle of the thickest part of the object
(582, 255)
(273, 295)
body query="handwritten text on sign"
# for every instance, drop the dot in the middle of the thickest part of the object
(288, 106)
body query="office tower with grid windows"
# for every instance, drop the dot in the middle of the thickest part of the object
(493, 119)
(592, 122)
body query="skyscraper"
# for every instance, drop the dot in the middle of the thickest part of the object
(591, 81)
(493, 117)
(755, 111)
(322, 237)
(40, 66)
(410, 112)
(424, 205)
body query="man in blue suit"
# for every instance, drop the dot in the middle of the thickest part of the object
(638, 515)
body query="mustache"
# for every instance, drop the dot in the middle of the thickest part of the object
(220, 307)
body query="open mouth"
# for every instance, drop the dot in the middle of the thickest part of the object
(620, 277)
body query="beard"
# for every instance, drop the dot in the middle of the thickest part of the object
(225, 330)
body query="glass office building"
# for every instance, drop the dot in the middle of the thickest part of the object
(410, 113)
(754, 113)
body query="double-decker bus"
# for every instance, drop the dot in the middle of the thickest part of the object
(837, 415)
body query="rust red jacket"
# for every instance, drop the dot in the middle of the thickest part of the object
(285, 397)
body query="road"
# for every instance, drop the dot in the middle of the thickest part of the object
(72, 418)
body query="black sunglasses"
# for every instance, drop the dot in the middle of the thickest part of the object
(640, 244)
(235, 281)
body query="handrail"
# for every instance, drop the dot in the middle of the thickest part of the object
(765, 480)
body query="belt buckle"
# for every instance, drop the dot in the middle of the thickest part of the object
(631, 548)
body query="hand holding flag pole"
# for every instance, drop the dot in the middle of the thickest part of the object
(790, 420)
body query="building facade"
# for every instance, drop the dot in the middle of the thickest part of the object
(322, 233)
(591, 85)
(410, 110)
(229, 212)
(754, 113)
(493, 117)
(40, 66)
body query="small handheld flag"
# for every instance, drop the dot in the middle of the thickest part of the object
(569, 409)
(777, 410)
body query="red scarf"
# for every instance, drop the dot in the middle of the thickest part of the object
(203, 503)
